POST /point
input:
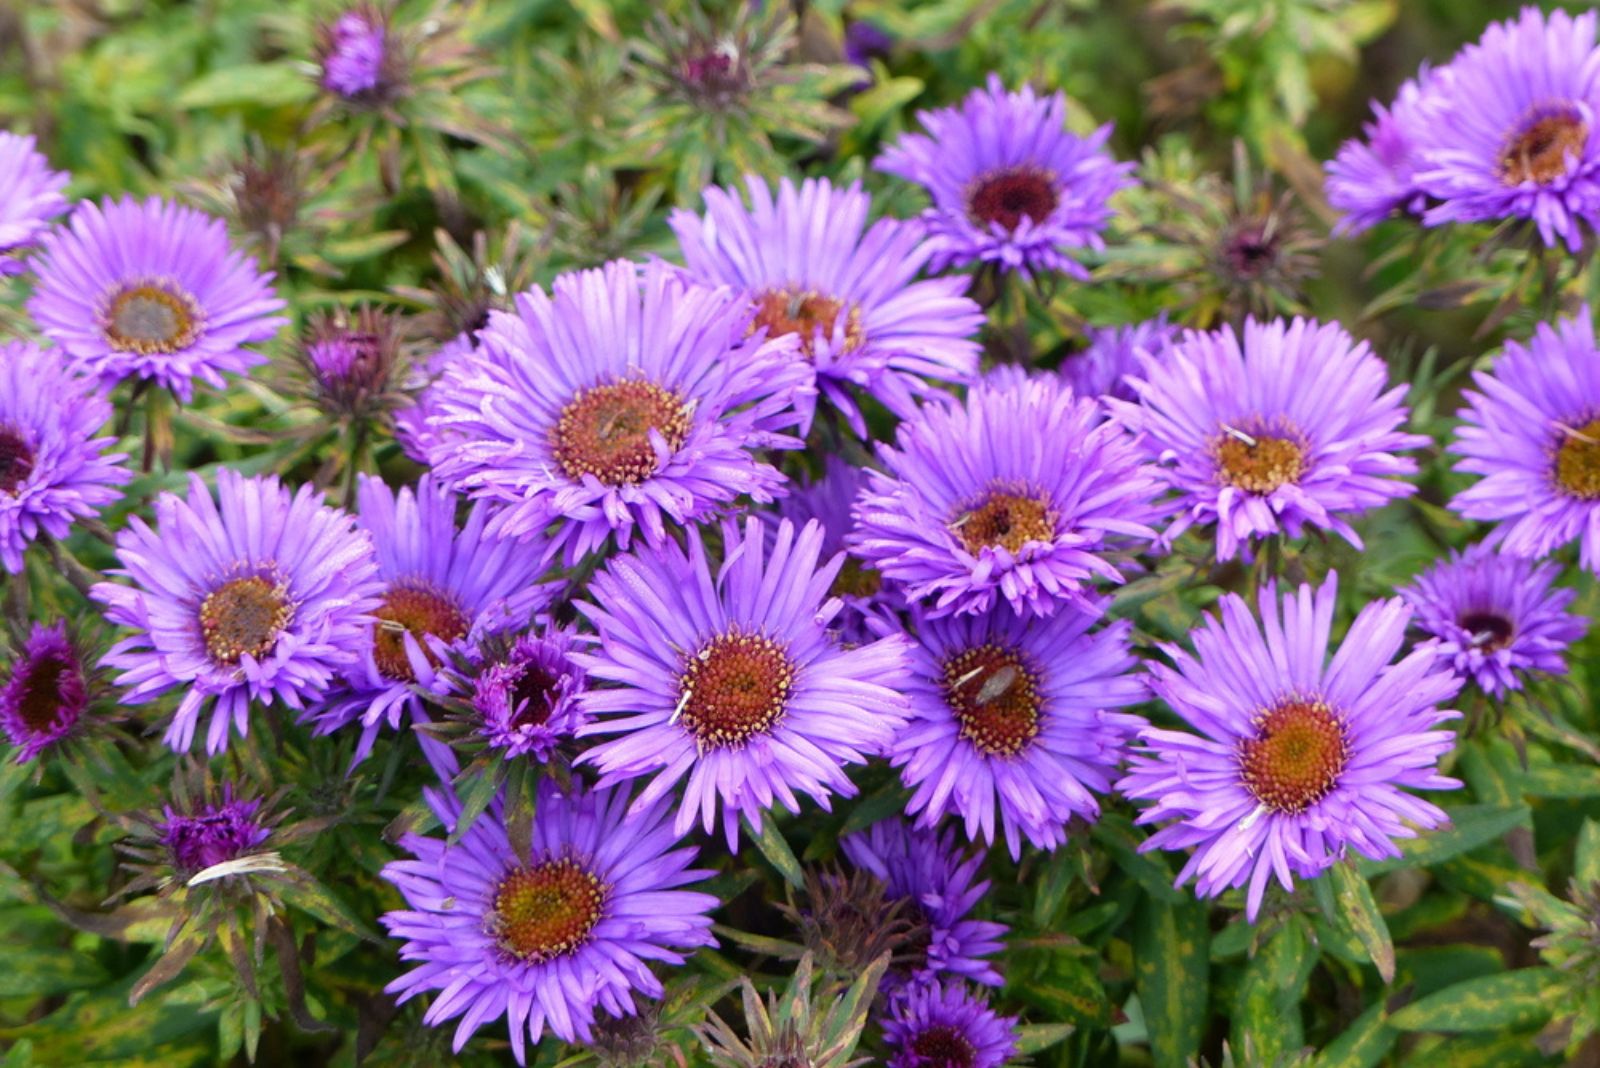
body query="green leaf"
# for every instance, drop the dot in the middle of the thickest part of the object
(1266, 1011)
(1586, 864)
(1063, 986)
(1510, 1000)
(1171, 948)
(252, 84)
(39, 969)
(1355, 911)
(1472, 826)
(1031, 1038)
(1115, 832)
(1363, 1045)
(772, 845)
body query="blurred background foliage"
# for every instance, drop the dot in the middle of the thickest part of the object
(583, 122)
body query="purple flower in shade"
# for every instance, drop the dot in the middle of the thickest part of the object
(846, 292)
(416, 426)
(1532, 430)
(526, 701)
(865, 41)
(1509, 128)
(46, 693)
(1291, 428)
(1010, 186)
(53, 469)
(152, 291)
(30, 196)
(261, 599)
(1371, 179)
(1013, 714)
(626, 398)
(444, 590)
(354, 54)
(928, 871)
(732, 678)
(548, 938)
(1013, 498)
(1100, 369)
(212, 832)
(1494, 618)
(1299, 759)
(943, 1026)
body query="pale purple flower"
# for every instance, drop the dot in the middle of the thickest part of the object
(30, 196)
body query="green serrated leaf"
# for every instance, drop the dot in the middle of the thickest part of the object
(1509, 1000)
(1171, 948)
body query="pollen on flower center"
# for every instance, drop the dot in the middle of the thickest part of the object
(1489, 630)
(1005, 517)
(1296, 757)
(944, 1047)
(44, 690)
(808, 314)
(419, 610)
(244, 617)
(995, 698)
(1539, 151)
(1578, 461)
(604, 431)
(735, 687)
(16, 460)
(152, 317)
(1005, 197)
(1259, 462)
(547, 910)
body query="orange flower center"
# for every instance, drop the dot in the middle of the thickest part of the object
(152, 317)
(605, 430)
(1005, 518)
(995, 698)
(808, 314)
(418, 610)
(1259, 462)
(1296, 756)
(244, 617)
(547, 910)
(736, 686)
(1540, 150)
(1578, 462)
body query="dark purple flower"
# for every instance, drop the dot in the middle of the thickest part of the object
(1299, 759)
(30, 196)
(211, 833)
(355, 54)
(548, 938)
(355, 363)
(866, 41)
(46, 693)
(943, 1026)
(526, 701)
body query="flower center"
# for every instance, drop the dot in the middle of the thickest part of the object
(244, 618)
(420, 611)
(736, 686)
(152, 317)
(1296, 756)
(809, 315)
(1578, 461)
(547, 910)
(1005, 197)
(605, 431)
(1250, 250)
(944, 1047)
(1489, 630)
(533, 696)
(16, 460)
(50, 685)
(1005, 519)
(1540, 150)
(1259, 463)
(995, 699)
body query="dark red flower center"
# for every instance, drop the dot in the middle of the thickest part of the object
(1489, 630)
(244, 617)
(1578, 461)
(1006, 197)
(1296, 756)
(735, 687)
(1250, 249)
(604, 431)
(152, 317)
(16, 460)
(533, 695)
(547, 910)
(995, 698)
(944, 1047)
(806, 314)
(418, 610)
(1005, 517)
(48, 684)
(1540, 150)
(1258, 462)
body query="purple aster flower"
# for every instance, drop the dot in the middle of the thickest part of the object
(355, 55)
(46, 694)
(30, 196)
(445, 589)
(416, 426)
(548, 937)
(626, 398)
(152, 291)
(928, 872)
(731, 678)
(212, 832)
(1494, 618)
(1371, 179)
(1014, 497)
(526, 700)
(1010, 186)
(1291, 428)
(53, 469)
(262, 598)
(1298, 758)
(1532, 430)
(1508, 128)
(1100, 369)
(943, 1026)
(847, 293)
(865, 41)
(1013, 715)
